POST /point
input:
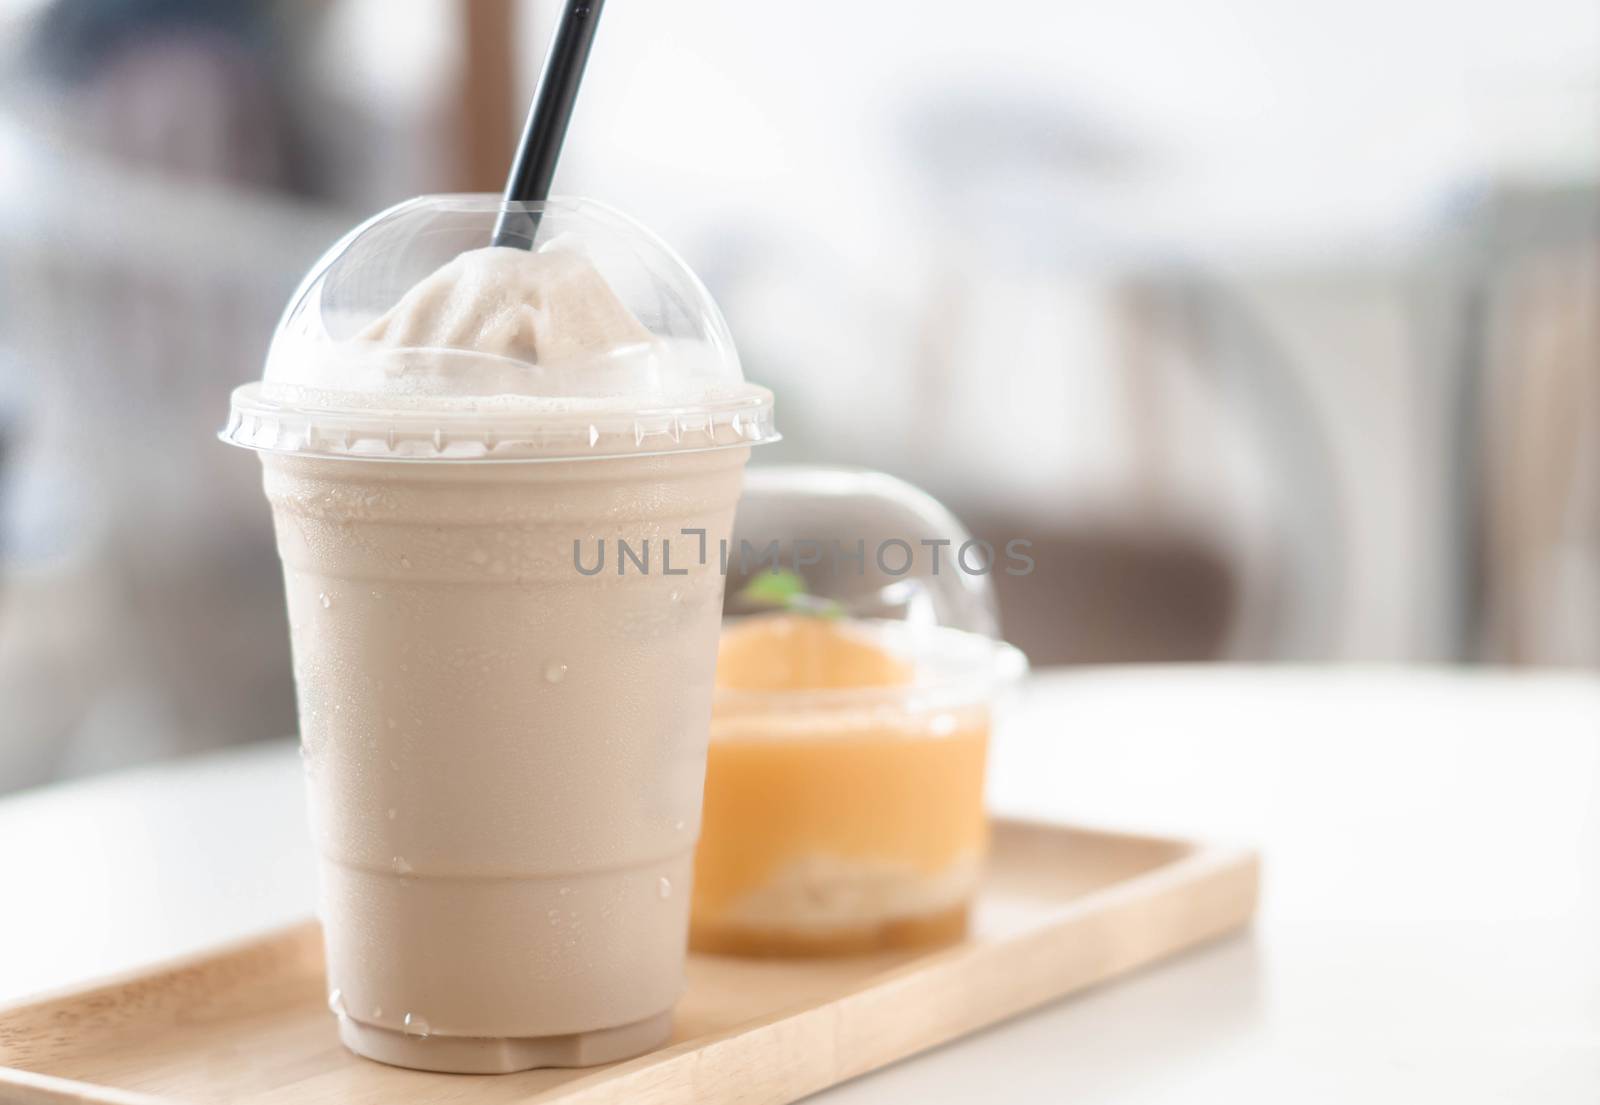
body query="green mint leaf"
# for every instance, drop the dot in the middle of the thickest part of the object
(779, 588)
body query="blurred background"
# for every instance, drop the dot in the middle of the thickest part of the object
(1275, 327)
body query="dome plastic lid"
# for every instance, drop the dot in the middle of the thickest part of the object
(413, 339)
(868, 547)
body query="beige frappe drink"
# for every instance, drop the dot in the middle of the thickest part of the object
(504, 713)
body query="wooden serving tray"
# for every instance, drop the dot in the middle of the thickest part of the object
(1061, 909)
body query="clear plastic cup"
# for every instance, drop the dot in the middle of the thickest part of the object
(857, 688)
(504, 749)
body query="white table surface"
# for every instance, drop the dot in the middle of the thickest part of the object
(1429, 929)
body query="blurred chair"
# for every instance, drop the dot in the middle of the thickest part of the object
(140, 606)
(1219, 535)
(1173, 476)
(1519, 343)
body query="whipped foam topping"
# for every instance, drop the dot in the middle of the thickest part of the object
(540, 307)
(500, 328)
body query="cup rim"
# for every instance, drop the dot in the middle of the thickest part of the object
(265, 424)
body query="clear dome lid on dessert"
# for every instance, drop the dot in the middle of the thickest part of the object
(853, 584)
(415, 338)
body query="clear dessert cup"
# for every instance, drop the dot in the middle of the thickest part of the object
(844, 792)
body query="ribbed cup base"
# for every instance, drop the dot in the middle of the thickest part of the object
(503, 1055)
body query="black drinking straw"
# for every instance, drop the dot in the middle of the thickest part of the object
(536, 159)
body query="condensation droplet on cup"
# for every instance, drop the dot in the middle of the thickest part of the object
(415, 1026)
(664, 888)
(405, 561)
(377, 1012)
(336, 1003)
(555, 672)
(322, 597)
(401, 867)
(564, 891)
(392, 813)
(392, 723)
(679, 826)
